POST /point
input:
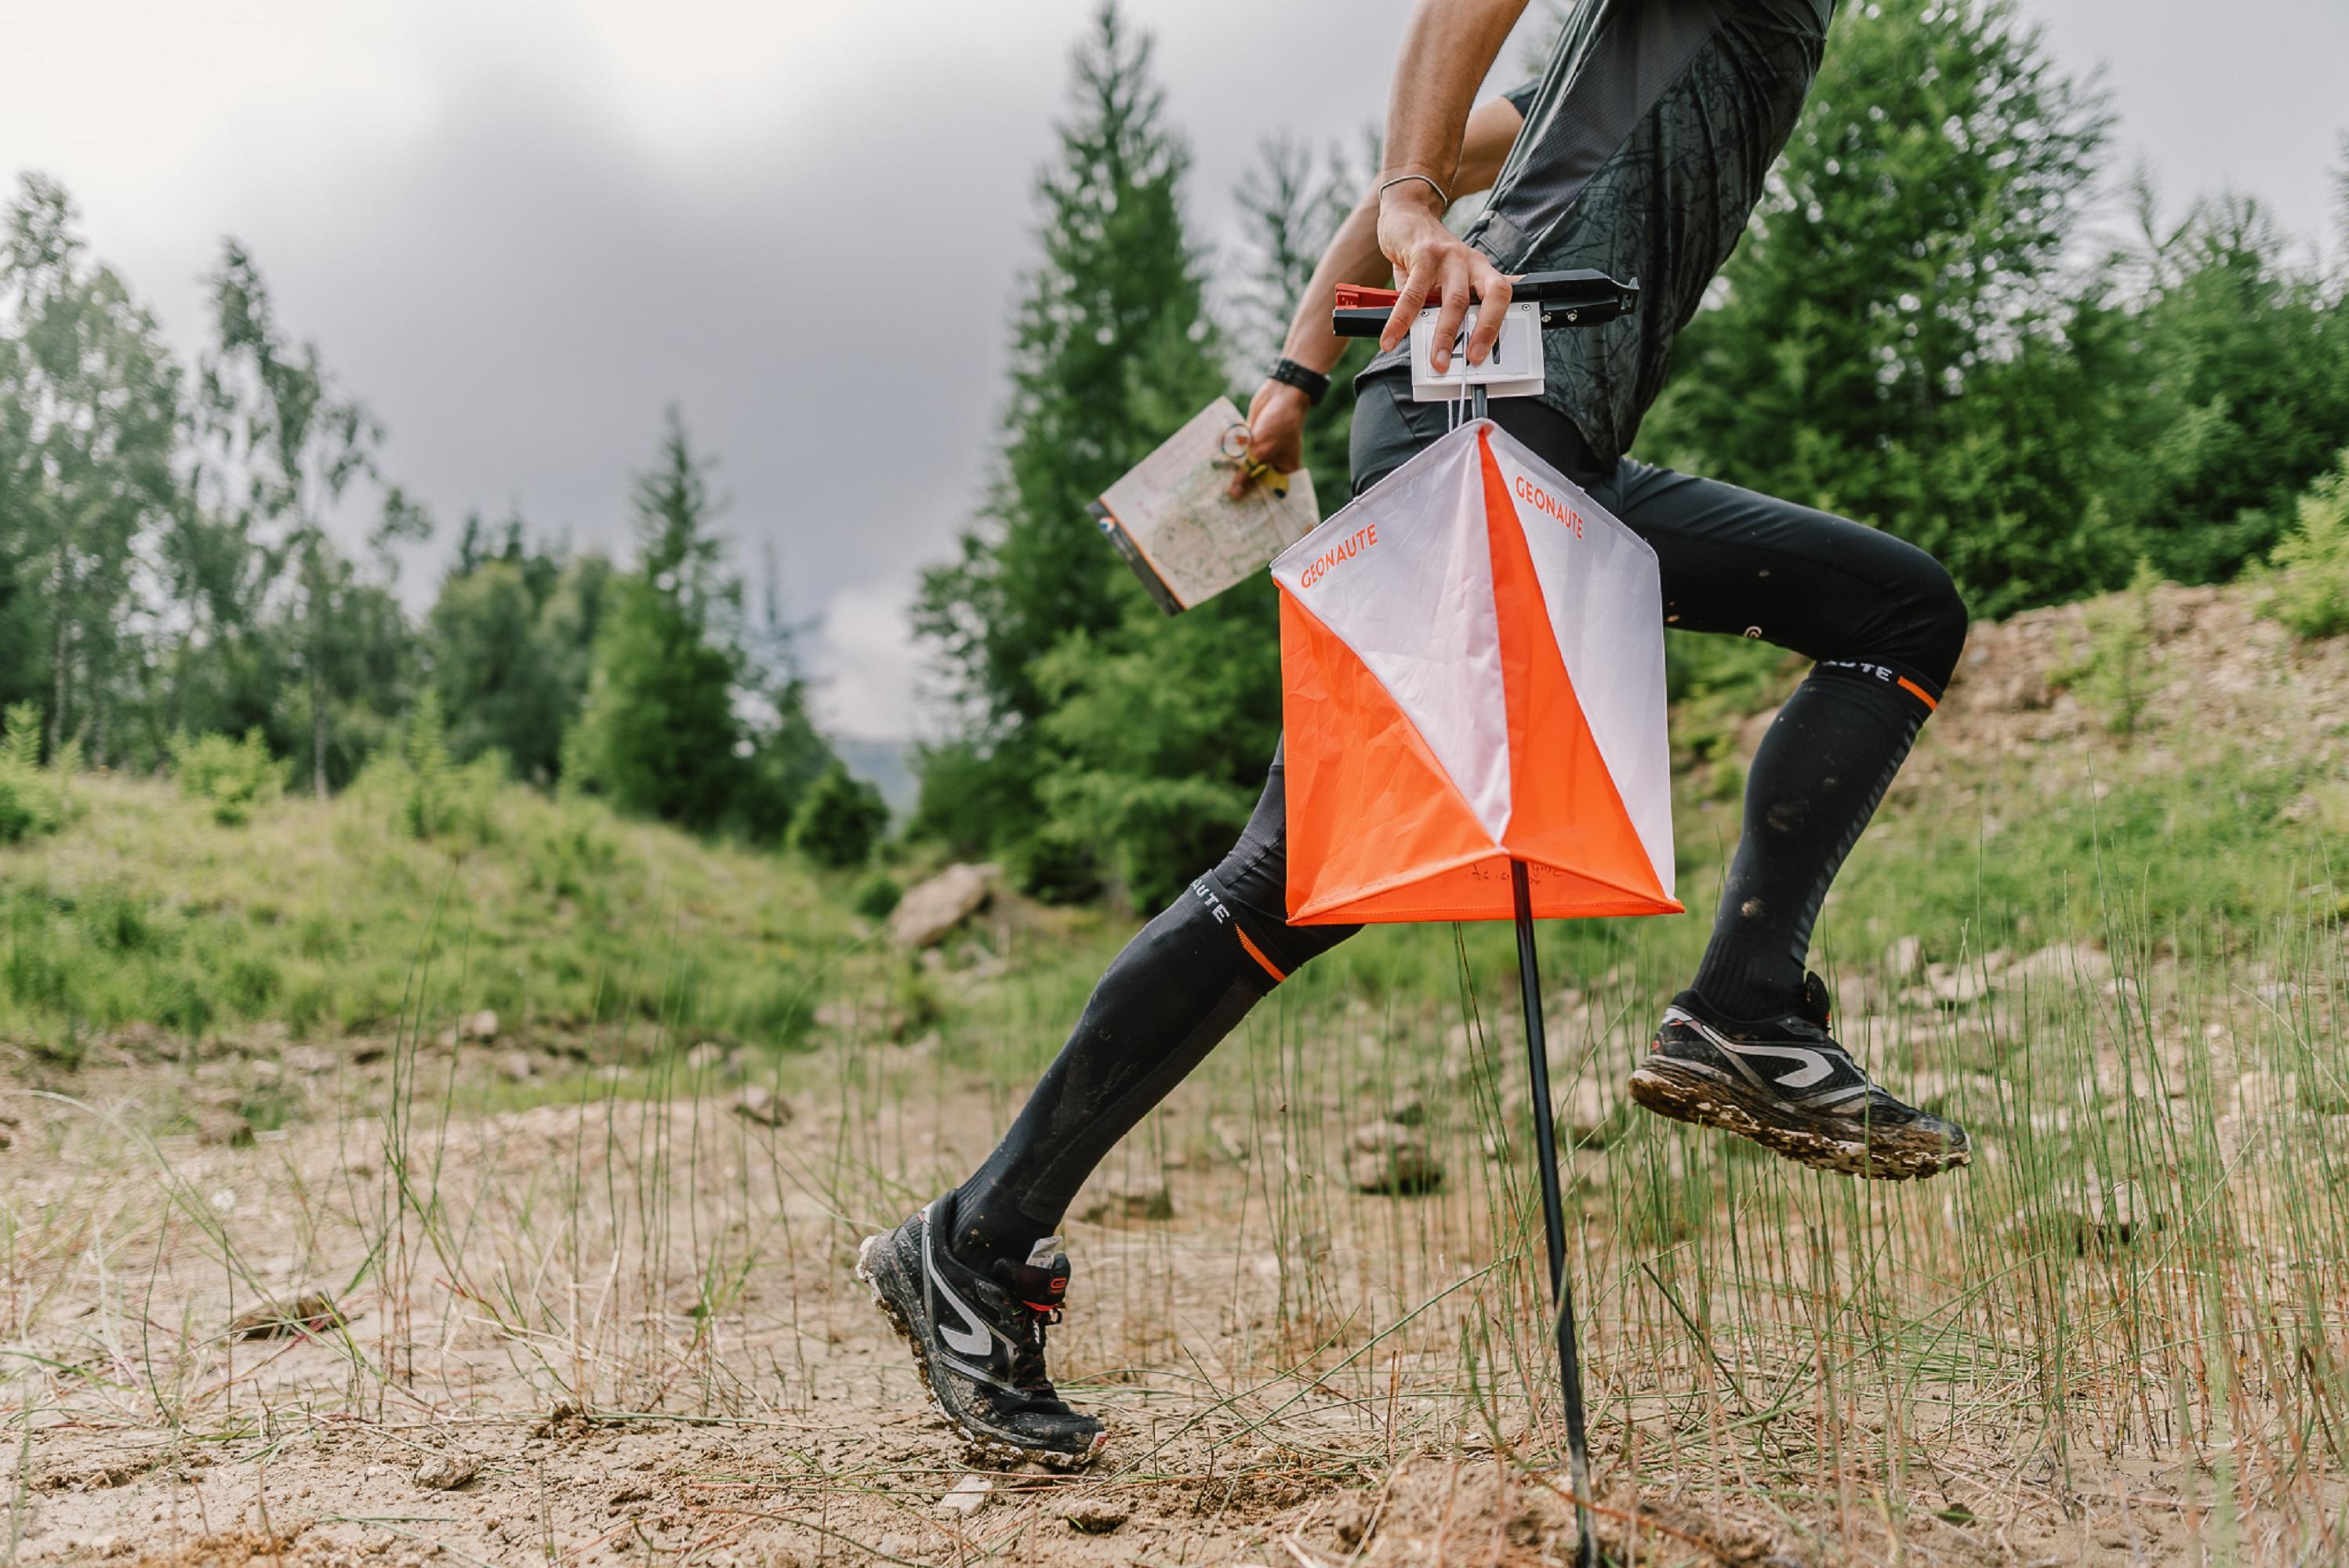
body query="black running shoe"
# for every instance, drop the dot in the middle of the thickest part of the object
(1787, 1085)
(978, 1342)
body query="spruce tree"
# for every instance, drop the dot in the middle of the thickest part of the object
(1894, 337)
(1161, 728)
(659, 733)
(1111, 352)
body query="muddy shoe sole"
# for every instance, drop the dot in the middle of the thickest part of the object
(1675, 1089)
(982, 1443)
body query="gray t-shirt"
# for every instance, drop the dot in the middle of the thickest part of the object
(1645, 146)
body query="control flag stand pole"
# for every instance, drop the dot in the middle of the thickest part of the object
(1570, 1348)
(1569, 299)
(1569, 1353)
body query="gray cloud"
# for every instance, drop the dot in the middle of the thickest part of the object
(520, 230)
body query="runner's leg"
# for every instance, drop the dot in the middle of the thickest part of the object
(1885, 625)
(1179, 987)
(1880, 615)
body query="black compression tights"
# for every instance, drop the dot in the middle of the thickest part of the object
(1879, 616)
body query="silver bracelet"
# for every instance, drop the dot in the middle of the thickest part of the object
(1385, 185)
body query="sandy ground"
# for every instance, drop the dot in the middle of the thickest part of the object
(618, 1324)
(625, 1330)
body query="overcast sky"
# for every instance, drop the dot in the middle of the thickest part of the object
(518, 227)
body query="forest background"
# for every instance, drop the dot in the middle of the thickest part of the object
(1929, 327)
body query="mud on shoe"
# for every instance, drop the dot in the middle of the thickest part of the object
(1787, 1084)
(979, 1339)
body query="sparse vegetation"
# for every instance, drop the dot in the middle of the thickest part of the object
(150, 912)
(2119, 1325)
(2109, 673)
(34, 799)
(2307, 587)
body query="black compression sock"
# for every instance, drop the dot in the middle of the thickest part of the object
(1815, 782)
(1183, 984)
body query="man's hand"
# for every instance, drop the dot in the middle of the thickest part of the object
(1276, 421)
(1433, 267)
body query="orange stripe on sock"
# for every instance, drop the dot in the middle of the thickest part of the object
(1913, 689)
(1258, 954)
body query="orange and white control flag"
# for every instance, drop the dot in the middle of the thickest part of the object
(1472, 665)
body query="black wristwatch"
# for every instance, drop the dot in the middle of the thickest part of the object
(1313, 382)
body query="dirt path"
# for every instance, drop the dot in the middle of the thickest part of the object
(624, 1330)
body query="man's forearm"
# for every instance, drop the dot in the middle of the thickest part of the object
(1446, 51)
(1352, 257)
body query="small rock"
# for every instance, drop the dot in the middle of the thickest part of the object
(932, 909)
(481, 1026)
(446, 1472)
(1230, 1137)
(1903, 959)
(2100, 1217)
(705, 1056)
(221, 1125)
(978, 963)
(968, 1496)
(1391, 1158)
(765, 1105)
(627, 1495)
(311, 1312)
(565, 1416)
(1094, 1515)
(1409, 1111)
(515, 1067)
(1954, 984)
(2060, 966)
(1130, 1198)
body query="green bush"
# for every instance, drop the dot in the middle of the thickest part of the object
(33, 799)
(2306, 586)
(840, 820)
(235, 777)
(877, 896)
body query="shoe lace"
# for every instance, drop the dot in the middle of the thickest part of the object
(1027, 1373)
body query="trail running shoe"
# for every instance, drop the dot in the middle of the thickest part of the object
(978, 1342)
(1787, 1084)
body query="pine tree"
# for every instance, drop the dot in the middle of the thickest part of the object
(659, 733)
(840, 820)
(2236, 356)
(1894, 341)
(1111, 351)
(1161, 728)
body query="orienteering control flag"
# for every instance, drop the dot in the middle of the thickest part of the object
(1471, 667)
